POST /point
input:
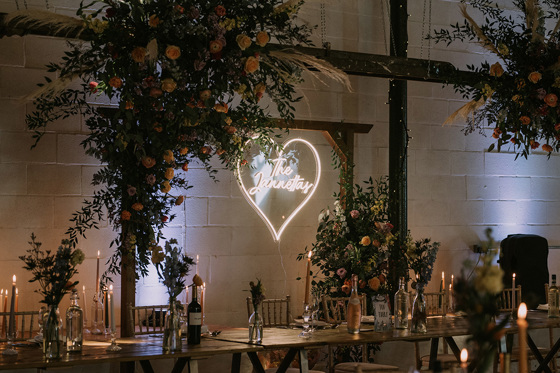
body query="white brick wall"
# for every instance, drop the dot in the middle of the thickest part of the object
(456, 189)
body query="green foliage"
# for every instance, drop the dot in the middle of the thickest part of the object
(518, 94)
(172, 266)
(185, 79)
(53, 270)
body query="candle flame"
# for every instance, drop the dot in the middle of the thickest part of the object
(110, 287)
(309, 255)
(443, 275)
(464, 355)
(514, 275)
(522, 311)
(17, 292)
(98, 254)
(14, 279)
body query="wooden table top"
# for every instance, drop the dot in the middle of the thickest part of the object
(133, 349)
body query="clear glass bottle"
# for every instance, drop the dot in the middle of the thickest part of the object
(553, 299)
(354, 310)
(74, 324)
(401, 306)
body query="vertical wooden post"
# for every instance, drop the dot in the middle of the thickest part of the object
(128, 292)
(343, 143)
(398, 141)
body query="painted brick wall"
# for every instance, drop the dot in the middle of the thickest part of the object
(456, 189)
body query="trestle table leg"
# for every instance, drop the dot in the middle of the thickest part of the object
(236, 363)
(257, 366)
(551, 354)
(146, 366)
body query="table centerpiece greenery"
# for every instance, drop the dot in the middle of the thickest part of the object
(53, 270)
(477, 295)
(184, 80)
(518, 93)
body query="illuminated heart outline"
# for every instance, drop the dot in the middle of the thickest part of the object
(276, 235)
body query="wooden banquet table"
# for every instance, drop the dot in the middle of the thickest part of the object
(235, 341)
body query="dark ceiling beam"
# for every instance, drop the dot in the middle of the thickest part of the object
(353, 63)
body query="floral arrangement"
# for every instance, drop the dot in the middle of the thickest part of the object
(172, 266)
(421, 256)
(185, 79)
(518, 94)
(257, 293)
(478, 297)
(355, 239)
(53, 270)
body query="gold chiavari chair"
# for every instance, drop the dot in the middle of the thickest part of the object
(25, 324)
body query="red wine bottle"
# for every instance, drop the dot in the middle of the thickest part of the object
(194, 314)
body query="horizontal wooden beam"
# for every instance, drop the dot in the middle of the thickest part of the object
(353, 63)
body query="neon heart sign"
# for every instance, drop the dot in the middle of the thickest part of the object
(278, 187)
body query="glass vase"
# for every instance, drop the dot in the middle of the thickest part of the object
(419, 317)
(256, 325)
(172, 330)
(52, 333)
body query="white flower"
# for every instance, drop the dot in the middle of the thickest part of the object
(489, 279)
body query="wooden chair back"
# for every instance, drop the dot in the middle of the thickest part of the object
(275, 312)
(147, 319)
(334, 308)
(436, 302)
(26, 324)
(505, 299)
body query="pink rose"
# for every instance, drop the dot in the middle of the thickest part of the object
(354, 214)
(341, 272)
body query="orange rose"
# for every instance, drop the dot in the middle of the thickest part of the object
(173, 52)
(125, 215)
(497, 133)
(547, 148)
(129, 105)
(534, 144)
(155, 92)
(220, 10)
(205, 150)
(168, 156)
(158, 127)
(362, 284)
(148, 162)
(259, 90)
(138, 54)
(221, 107)
(496, 70)
(551, 99)
(251, 65)
(525, 120)
(165, 187)
(183, 151)
(137, 206)
(243, 41)
(262, 39)
(382, 278)
(153, 21)
(534, 77)
(374, 284)
(168, 85)
(220, 151)
(169, 173)
(205, 95)
(376, 243)
(185, 166)
(365, 241)
(115, 82)
(230, 130)
(216, 46)
(179, 200)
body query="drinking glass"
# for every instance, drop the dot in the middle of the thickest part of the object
(41, 322)
(306, 316)
(10, 349)
(314, 307)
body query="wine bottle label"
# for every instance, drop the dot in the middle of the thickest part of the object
(195, 318)
(354, 301)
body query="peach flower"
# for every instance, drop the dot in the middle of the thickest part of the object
(216, 46)
(534, 77)
(220, 10)
(148, 162)
(125, 215)
(168, 156)
(165, 187)
(365, 241)
(262, 39)
(547, 148)
(153, 21)
(179, 200)
(496, 70)
(551, 99)
(374, 284)
(137, 206)
(205, 94)
(251, 65)
(525, 120)
(138, 54)
(183, 151)
(173, 52)
(243, 41)
(115, 82)
(169, 173)
(221, 107)
(168, 85)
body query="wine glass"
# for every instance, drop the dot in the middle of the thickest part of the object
(41, 322)
(314, 308)
(306, 316)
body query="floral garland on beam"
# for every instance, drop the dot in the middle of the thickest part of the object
(186, 79)
(519, 93)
